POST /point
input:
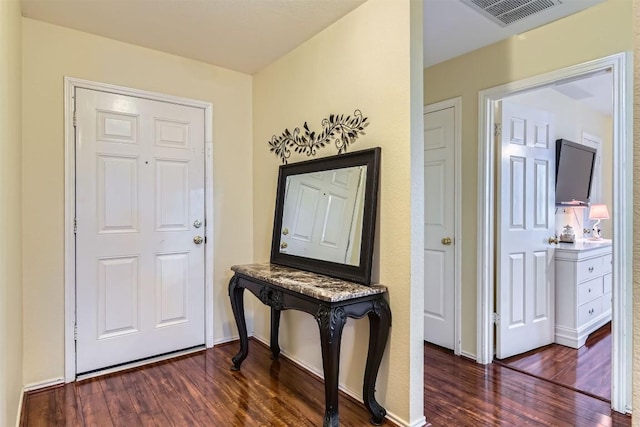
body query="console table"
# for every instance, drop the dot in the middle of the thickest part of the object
(331, 301)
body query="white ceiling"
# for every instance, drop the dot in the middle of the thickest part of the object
(452, 28)
(247, 35)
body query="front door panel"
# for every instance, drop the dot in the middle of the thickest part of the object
(139, 189)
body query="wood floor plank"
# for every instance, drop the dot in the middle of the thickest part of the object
(496, 395)
(200, 390)
(587, 369)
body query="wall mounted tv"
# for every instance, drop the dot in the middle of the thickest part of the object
(574, 173)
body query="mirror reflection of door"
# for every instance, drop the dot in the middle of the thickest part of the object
(322, 216)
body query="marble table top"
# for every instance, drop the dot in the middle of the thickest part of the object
(315, 285)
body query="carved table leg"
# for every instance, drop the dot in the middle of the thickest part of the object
(236, 293)
(380, 321)
(331, 322)
(275, 328)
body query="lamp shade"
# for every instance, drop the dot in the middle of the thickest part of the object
(598, 212)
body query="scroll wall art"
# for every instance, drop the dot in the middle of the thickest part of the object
(343, 131)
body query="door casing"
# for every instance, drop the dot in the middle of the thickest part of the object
(70, 84)
(620, 65)
(456, 104)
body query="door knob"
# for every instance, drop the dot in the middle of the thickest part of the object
(283, 245)
(197, 240)
(446, 241)
(553, 240)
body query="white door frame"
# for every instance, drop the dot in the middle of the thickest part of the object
(70, 84)
(456, 104)
(620, 65)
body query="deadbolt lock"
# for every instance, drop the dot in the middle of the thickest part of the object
(285, 231)
(197, 223)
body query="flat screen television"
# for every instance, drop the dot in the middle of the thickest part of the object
(574, 173)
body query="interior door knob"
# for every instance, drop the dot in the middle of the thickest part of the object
(197, 240)
(553, 240)
(446, 241)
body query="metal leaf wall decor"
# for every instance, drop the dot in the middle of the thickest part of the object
(342, 130)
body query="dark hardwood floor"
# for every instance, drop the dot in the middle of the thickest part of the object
(194, 390)
(200, 390)
(587, 369)
(460, 392)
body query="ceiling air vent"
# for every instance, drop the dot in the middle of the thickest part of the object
(507, 12)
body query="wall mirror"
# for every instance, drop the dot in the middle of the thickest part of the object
(325, 215)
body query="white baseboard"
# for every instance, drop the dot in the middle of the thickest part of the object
(225, 340)
(20, 402)
(468, 355)
(419, 422)
(43, 384)
(343, 387)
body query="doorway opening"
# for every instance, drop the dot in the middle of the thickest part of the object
(618, 66)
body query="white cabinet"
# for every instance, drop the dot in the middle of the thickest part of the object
(583, 290)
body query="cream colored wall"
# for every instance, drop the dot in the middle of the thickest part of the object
(636, 214)
(596, 32)
(52, 52)
(360, 62)
(11, 352)
(572, 118)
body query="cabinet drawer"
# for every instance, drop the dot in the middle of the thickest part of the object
(589, 311)
(607, 283)
(606, 302)
(589, 269)
(607, 264)
(590, 290)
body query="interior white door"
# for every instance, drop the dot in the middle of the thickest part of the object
(319, 218)
(139, 207)
(439, 200)
(526, 203)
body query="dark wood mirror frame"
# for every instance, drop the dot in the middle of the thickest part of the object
(360, 273)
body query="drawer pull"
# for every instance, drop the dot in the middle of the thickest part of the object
(590, 269)
(591, 312)
(589, 290)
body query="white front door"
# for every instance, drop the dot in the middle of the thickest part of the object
(526, 220)
(139, 206)
(439, 212)
(320, 215)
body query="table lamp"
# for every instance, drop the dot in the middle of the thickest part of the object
(598, 212)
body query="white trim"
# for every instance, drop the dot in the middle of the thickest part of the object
(456, 104)
(621, 67)
(43, 384)
(20, 403)
(70, 84)
(485, 249)
(225, 340)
